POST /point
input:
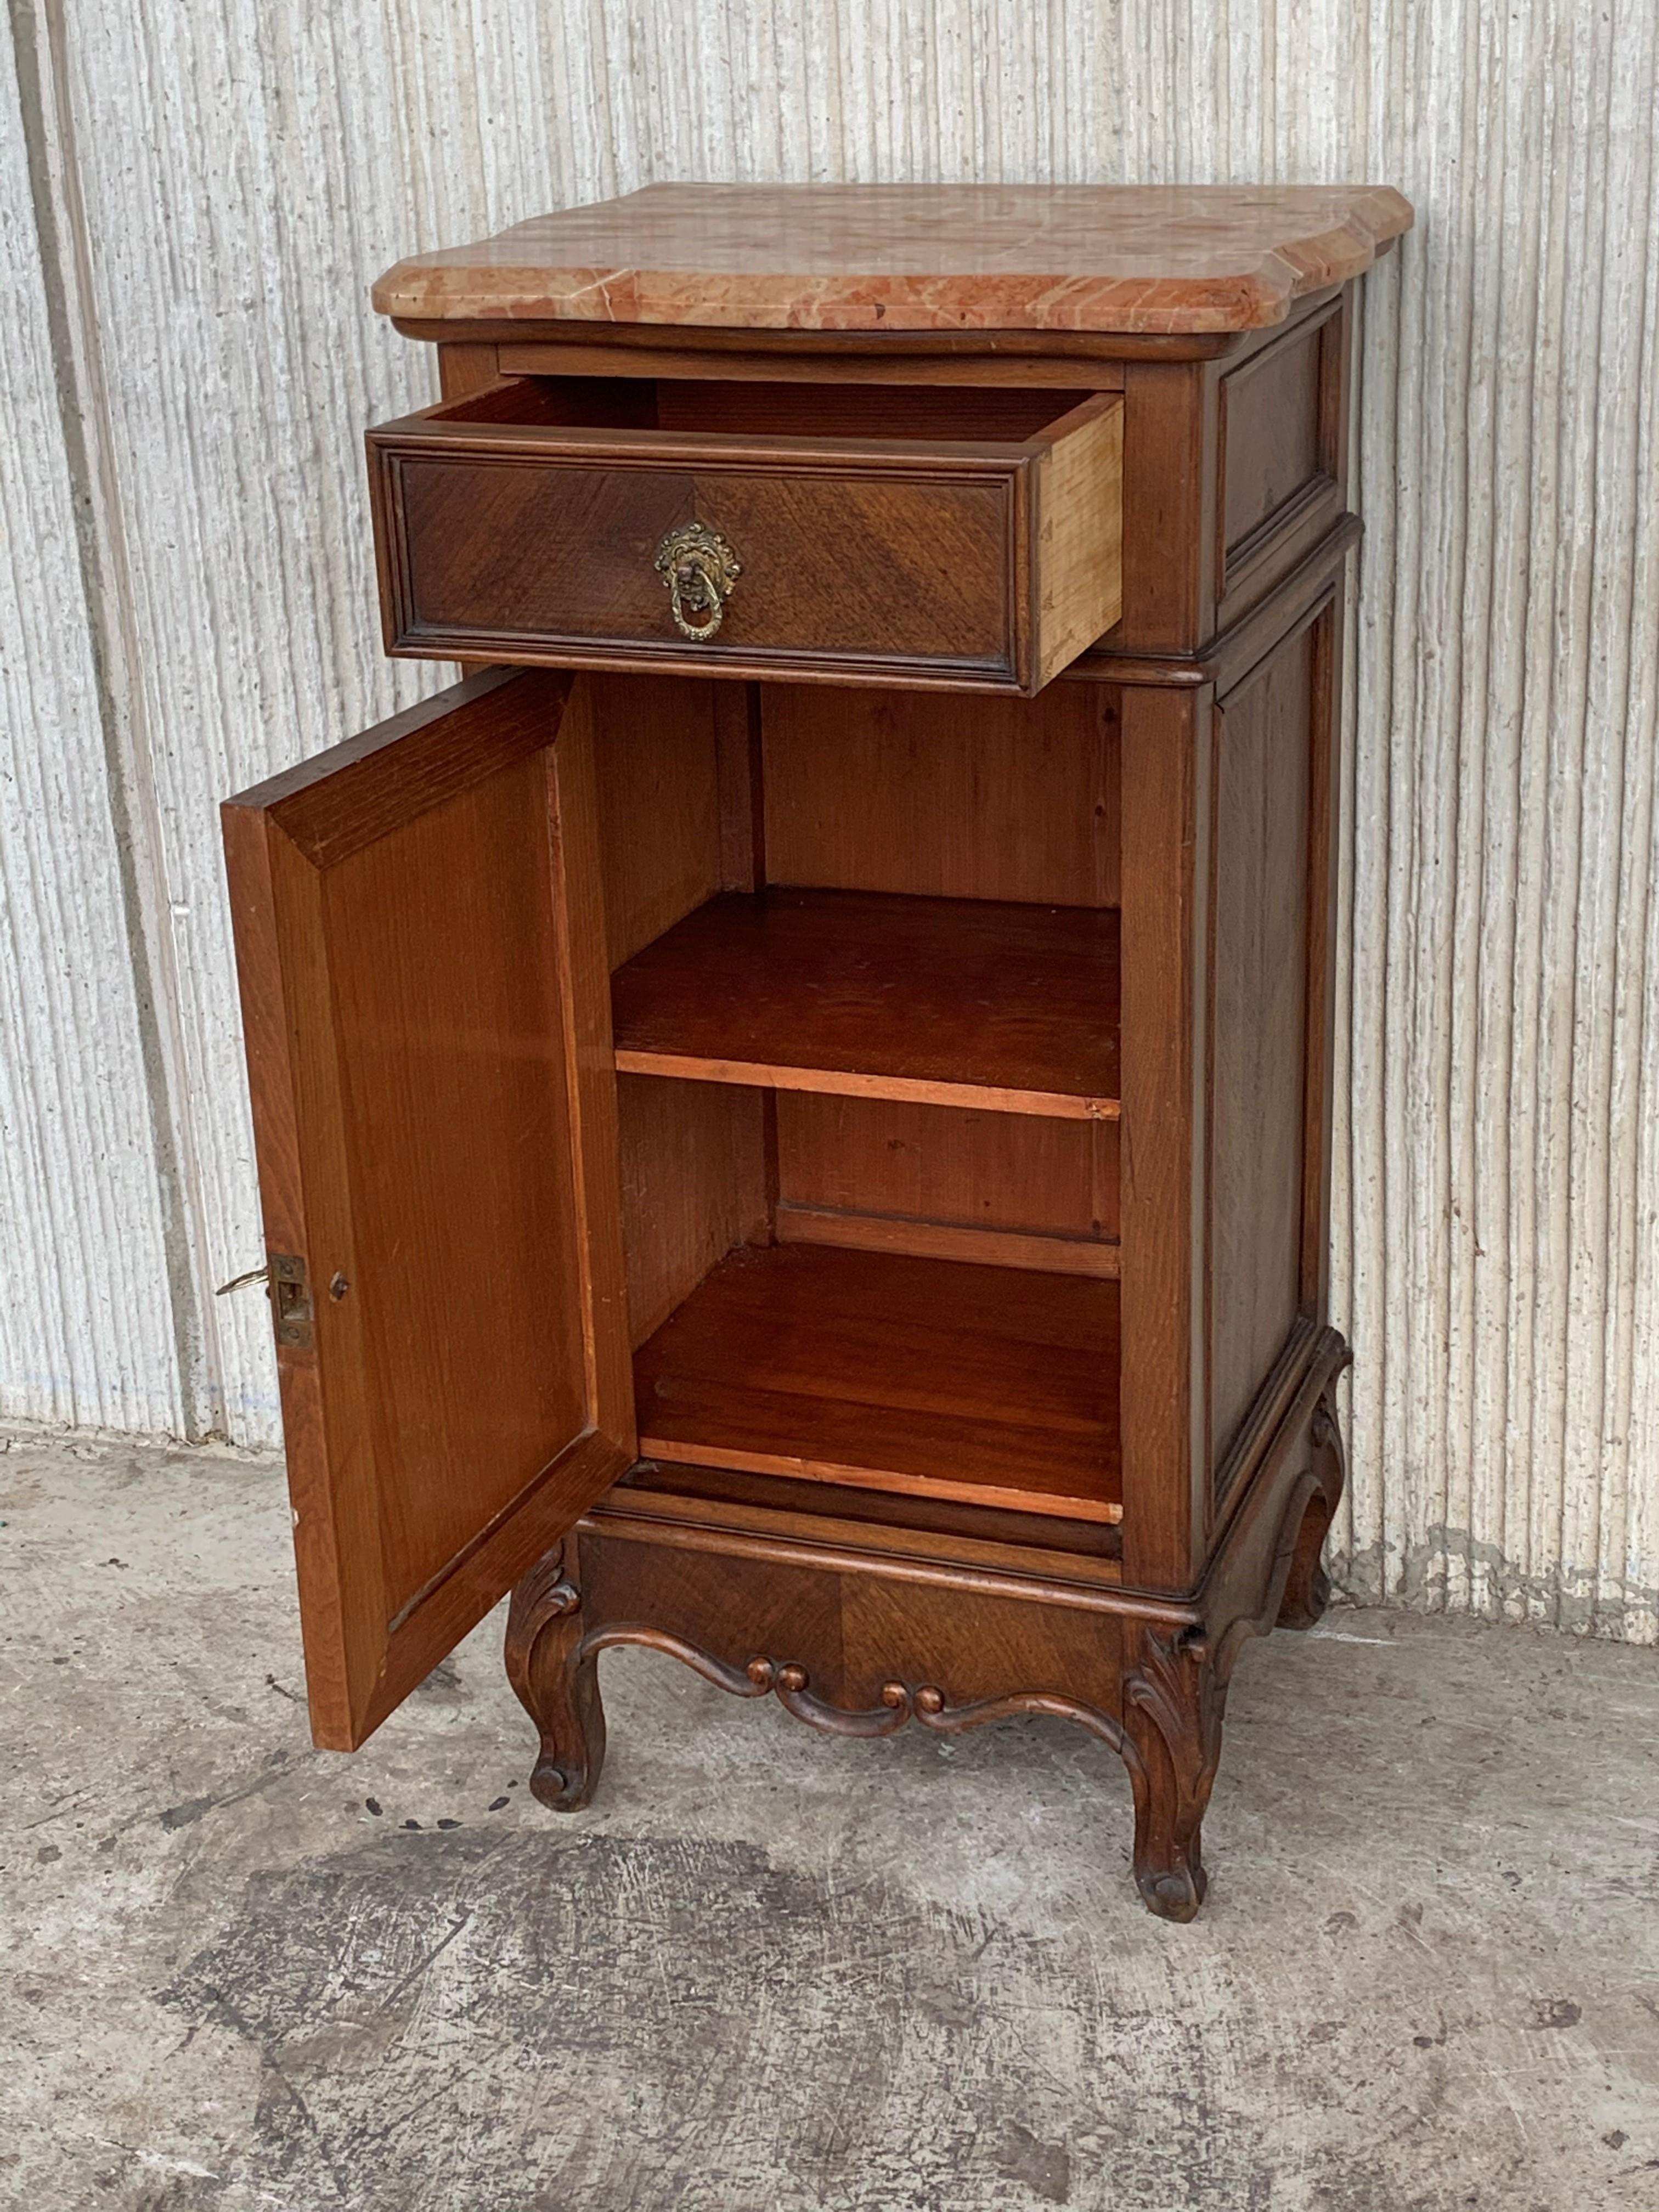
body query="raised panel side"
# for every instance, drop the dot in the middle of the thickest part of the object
(1267, 732)
(1282, 455)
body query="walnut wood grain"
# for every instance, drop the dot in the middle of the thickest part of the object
(1263, 740)
(521, 526)
(1082, 359)
(1282, 455)
(908, 1524)
(858, 1630)
(656, 744)
(899, 360)
(952, 1413)
(1167, 803)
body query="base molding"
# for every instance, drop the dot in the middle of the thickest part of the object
(857, 1645)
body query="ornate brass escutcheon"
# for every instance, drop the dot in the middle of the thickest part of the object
(699, 570)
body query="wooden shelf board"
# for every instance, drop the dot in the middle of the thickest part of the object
(928, 1377)
(947, 1002)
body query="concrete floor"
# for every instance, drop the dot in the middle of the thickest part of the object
(770, 1971)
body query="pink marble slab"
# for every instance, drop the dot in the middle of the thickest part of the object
(1125, 258)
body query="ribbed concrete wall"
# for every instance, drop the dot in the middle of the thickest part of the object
(85, 1316)
(190, 224)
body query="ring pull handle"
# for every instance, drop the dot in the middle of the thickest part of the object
(699, 570)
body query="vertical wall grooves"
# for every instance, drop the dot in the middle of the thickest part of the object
(89, 1330)
(1496, 1222)
(106, 555)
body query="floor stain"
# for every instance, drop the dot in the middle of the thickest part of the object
(771, 1971)
(636, 2018)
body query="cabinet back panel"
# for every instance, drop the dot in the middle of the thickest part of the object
(984, 1171)
(946, 798)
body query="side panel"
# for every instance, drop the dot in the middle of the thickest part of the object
(657, 761)
(421, 942)
(1282, 455)
(1265, 732)
(694, 1185)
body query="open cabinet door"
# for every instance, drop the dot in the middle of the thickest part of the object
(420, 939)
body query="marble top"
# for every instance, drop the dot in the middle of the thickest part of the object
(1125, 258)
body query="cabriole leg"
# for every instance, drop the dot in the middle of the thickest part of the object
(556, 1684)
(1172, 1712)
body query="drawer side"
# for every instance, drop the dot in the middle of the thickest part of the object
(1079, 564)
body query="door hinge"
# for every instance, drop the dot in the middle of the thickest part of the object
(284, 1278)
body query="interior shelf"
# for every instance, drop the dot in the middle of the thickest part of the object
(952, 1002)
(929, 1377)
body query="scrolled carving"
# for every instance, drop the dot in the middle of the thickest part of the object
(789, 1683)
(1307, 1588)
(901, 1702)
(1172, 1705)
(555, 1681)
(546, 1590)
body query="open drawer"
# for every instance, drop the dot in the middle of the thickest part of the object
(893, 535)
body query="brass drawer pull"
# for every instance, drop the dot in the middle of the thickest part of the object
(699, 569)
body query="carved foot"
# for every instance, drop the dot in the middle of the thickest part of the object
(556, 1683)
(1172, 1705)
(1172, 1888)
(1308, 1591)
(1307, 1587)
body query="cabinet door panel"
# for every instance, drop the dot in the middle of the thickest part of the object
(420, 941)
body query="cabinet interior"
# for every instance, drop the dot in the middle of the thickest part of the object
(864, 996)
(797, 410)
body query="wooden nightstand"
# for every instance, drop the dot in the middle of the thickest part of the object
(795, 1132)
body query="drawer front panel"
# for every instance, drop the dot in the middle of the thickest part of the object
(843, 572)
